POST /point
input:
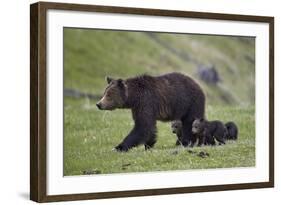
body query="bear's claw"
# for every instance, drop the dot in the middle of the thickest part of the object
(120, 148)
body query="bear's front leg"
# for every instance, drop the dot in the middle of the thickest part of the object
(201, 140)
(210, 140)
(121, 148)
(179, 137)
(133, 139)
(142, 133)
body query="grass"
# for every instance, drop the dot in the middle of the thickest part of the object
(90, 135)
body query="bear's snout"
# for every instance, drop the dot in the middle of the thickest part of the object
(194, 130)
(99, 105)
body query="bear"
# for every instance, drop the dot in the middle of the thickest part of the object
(176, 127)
(208, 131)
(168, 97)
(232, 131)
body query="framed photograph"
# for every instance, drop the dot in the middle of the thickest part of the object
(136, 102)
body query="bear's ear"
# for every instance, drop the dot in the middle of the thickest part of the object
(121, 83)
(108, 79)
(201, 119)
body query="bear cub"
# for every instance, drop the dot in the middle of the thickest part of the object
(208, 131)
(176, 127)
(232, 131)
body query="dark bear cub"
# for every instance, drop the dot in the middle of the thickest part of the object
(208, 131)
(232, 131)
(176, 127)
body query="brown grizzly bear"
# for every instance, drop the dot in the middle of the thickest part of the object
(168, 97)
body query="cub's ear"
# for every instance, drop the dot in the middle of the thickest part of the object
(108, 79)
(201, 119)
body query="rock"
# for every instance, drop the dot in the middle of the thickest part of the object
(125, 166)
(208, 74)
(90, 172)
(191, 152)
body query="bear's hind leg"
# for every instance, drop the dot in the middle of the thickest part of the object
(151, 138)
(220, 139)
(178, 142)
(187, 137)
(219, 136)
(193, 140)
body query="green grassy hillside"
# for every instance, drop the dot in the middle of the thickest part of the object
(90, 55)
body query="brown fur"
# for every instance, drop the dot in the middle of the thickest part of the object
(176, 127)
(168, 97)
(208, 131)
